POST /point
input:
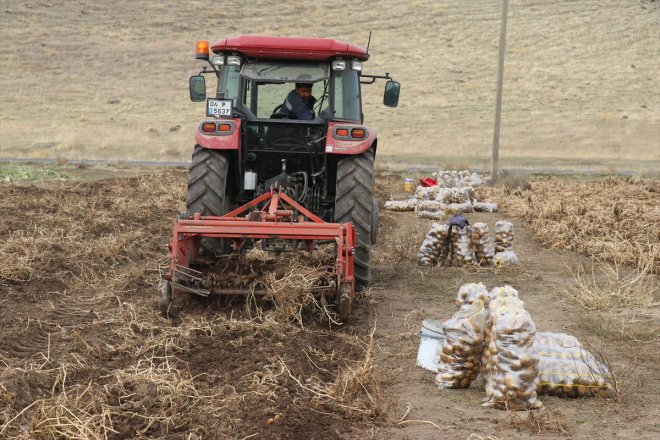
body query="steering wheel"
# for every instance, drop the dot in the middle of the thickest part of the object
(277, 115)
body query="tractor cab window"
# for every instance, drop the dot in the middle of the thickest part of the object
(229, 83)
(270, 82)
(346, 96)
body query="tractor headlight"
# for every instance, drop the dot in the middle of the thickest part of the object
(218, 61)
(356, 65)
(233, 61)
(339, 65)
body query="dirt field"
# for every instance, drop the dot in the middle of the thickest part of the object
(86, 355)
(109, 79)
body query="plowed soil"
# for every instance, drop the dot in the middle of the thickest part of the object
(85, 354)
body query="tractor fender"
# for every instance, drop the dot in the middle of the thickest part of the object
(220, 140)
(348, 145)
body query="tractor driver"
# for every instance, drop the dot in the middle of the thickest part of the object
(299, 103)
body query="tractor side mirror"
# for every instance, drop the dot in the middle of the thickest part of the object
(197, 86)
(391, 95)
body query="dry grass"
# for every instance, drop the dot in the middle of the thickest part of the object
(610, 220)
(612, 286)
(292, 294)
(401, 244)
(356, 388)
(86, 244)
(544, 421)
(623, 380)
(562, 99)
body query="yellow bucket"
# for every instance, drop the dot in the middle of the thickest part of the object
(409, 185)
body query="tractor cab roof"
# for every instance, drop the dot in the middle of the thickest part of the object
(293, 48)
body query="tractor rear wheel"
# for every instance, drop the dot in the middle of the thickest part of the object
(354, 203)
(207, 190)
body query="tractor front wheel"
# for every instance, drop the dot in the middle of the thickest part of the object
(354, 203)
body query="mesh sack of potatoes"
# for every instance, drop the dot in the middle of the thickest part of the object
(443, 195)
(514, 376)
(430, 205)
(483, 247)
(460, 358)
(572, 374)
(506, 258)
(431, 215)
(459, 195)
(503, 236)
(459, 208)
(472, 292)
(556, 339)
(434, 246)
(426, 192)
(462, 252)
(502, 301)
(503, 292)
(401, 205)
(484, 207)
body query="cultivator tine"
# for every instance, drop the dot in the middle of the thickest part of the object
(198, 292)
(187, 272)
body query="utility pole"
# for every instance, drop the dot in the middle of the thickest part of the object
(498, 99)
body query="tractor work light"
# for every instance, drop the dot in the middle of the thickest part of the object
(233, 61)
(339, 65)
(356, 65)
(202, 50)
(218, 61)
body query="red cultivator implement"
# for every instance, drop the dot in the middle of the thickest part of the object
(281, 224)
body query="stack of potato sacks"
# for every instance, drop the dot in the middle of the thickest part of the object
(469, 244)
(461, 244)
(512, 379)
(430, 209)
(460, 359)
(492, 333)
(484, 251)
(504, 254)
(433, 248)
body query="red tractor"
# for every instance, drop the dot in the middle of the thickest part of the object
(259, 173)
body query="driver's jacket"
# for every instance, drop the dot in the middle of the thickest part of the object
(295, 107)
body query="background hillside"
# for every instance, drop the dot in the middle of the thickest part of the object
(91, 79)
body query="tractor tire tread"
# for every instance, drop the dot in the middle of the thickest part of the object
(354, 203)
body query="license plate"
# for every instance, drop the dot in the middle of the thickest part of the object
(218, 107)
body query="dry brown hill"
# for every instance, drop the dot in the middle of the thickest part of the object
(582, 77)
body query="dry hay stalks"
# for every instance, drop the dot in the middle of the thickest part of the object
(355, 391)
(611, 286)
(402, 244)
(77, 412)
(292, 294)
(538, 421)
(611, 220)
(622, 380)
(140, 330)
(87, 234)
(156, 391)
